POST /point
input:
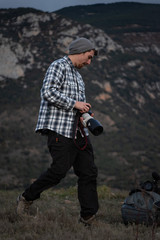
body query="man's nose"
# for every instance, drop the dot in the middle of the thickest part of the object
(89, 61)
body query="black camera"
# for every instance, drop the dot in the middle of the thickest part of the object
(93, 125)
(151, 185)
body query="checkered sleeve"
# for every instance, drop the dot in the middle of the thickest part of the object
(52, 85)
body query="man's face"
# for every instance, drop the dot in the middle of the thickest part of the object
(84, 59)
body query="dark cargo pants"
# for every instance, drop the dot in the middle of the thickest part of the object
(65, 155)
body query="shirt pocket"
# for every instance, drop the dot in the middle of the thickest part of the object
(71, 89)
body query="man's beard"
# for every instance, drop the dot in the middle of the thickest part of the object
(79, 66)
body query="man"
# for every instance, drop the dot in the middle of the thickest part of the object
(62, 98)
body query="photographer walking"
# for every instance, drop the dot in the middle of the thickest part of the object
(62, 97)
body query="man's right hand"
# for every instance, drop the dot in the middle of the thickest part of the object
(82, 106)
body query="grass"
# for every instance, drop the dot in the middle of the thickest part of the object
(57, 218)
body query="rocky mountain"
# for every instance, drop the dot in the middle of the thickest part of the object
(122, 84)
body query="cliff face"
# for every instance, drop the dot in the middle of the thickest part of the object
(122, 84)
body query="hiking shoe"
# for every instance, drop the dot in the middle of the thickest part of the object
(88, 220)
(23, 205)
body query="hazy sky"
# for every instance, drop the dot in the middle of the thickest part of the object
(53, 5)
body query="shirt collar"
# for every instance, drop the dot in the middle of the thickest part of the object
(69, 61)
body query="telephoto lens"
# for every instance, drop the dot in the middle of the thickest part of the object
(93, 125)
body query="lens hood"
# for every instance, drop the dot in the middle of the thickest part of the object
(94, 126)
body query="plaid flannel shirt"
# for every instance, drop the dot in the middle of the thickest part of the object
(62, 87)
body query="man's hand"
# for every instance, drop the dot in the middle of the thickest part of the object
(82, 106)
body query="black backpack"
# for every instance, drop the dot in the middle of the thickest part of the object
(142, 206)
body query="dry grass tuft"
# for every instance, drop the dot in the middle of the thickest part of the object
(55, 217)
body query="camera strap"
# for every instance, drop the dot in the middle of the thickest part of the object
(78, 124)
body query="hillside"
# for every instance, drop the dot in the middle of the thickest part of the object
(117, 17)
(122, 85)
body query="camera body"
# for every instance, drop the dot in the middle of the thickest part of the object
(152, 185)
(93, 125)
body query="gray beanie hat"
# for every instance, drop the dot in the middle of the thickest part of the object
(81, 45)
